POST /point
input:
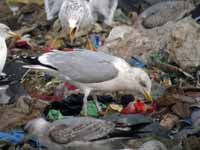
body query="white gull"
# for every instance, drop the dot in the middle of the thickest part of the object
(94, 71)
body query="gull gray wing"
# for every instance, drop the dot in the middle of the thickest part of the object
(52, 8)
(82, 65)
(79, 129)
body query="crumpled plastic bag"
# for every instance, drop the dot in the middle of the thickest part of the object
(55, 115)
(92, 109)
(14, 137)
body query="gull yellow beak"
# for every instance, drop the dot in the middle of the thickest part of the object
(148, 97)
(72, 33)
(13, 34)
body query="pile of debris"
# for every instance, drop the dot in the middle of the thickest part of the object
(162, 37)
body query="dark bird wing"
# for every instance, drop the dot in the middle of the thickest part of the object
(79, 129)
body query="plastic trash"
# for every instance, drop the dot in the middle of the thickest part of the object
(54, 115)
(14, 137)
(92, 109)
(69, 106)
(113, 108)
(139, 107)
(136, 62)
(96, 40)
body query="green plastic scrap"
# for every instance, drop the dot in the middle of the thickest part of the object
(156, 56)
(92, 109)
(55, 115)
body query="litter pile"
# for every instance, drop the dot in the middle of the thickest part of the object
(123, 74)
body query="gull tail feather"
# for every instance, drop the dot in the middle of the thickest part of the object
(38, 67)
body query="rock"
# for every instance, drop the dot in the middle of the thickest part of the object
(118, 33)
(181, 38)
(184, 44)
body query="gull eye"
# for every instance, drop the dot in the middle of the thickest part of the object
(7, 29)
(142, 83)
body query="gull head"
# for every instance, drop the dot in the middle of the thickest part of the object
(73, 28)
(143, 83)
(5, 32)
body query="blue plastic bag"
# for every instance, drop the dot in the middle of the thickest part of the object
(136, 62)
(14, 137)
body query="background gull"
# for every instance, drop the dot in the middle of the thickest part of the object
(163, 12)
(79, 14)
(5, 33)
(93, 71)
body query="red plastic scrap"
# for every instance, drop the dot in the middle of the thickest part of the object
(139, 107)
(70, 86)
(23, 44)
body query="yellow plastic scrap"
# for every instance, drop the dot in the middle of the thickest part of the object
(114, 108)
(11, 2)
(166, 82)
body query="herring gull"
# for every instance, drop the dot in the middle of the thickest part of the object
(80, 14)
(5, 33)
(61, 134)
(93, 71)
(163, 12)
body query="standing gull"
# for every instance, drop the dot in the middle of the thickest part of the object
(93, 71)
(5, 33)
(80, 14)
